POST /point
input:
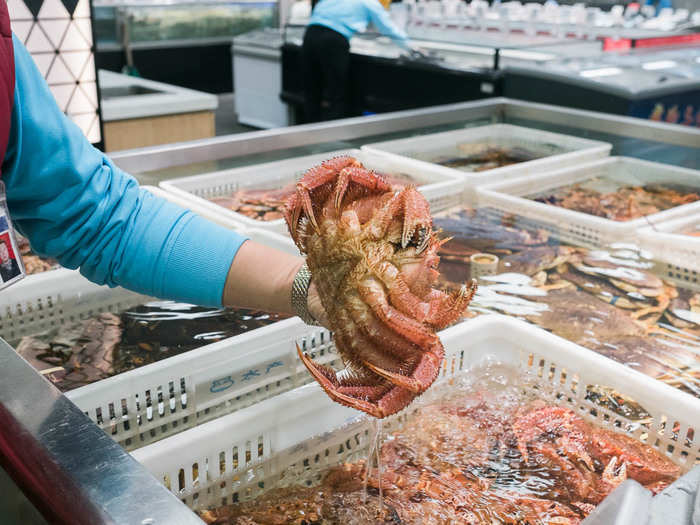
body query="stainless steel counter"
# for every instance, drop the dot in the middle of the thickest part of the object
(69, 469)
(630, 136)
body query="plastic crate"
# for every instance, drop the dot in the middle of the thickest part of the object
(677, 255)
(155, 401)
(557, 151)
(302, 432)
(195, 191)
(583, 228)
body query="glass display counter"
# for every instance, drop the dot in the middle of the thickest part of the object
(186, 20)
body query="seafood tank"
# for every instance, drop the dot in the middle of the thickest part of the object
(487, 448)
(266, 204)
(476, 157)
(608, 300)
(108, 344)
(618, 201)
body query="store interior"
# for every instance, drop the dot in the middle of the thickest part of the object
(501, 226)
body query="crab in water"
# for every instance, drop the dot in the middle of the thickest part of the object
(372, 253)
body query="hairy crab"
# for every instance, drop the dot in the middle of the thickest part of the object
(372, 253)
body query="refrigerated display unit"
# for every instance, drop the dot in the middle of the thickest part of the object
(657, 84)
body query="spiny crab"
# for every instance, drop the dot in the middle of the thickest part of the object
(372, 254)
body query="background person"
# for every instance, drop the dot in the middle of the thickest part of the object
(326, 52)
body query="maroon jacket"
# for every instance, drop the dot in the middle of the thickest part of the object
(7, 79)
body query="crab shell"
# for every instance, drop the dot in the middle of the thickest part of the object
(373, 256)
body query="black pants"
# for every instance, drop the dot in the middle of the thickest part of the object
(325, 67)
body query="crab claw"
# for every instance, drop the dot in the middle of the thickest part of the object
(446, 309)
(376, 397)
(609, 475)
(417, 222)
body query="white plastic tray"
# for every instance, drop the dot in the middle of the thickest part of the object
(677, 255)
(195, 191)
(229, 459)
(583, 228)
(422, 148)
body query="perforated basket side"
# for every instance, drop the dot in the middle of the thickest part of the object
(569, 151)
(198, 189)
(164, 398)
(237, 457)
(677, 255)
(52, 299)
(578, 227)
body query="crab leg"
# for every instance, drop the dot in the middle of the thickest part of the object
(416, 217)
(361, 176)
(372, 292)
(441, 310)
(313, 178)
(378, 400)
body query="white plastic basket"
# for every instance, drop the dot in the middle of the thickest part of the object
(582, 228)
(557, 151)
(195, 191)
(155, 401)
(231, 458)
(677, 255)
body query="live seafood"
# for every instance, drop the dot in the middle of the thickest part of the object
(627, 203)
(108, 344)
(606, 300)
(267, 204)
(474, 458)
(372, 253)
(477, 157)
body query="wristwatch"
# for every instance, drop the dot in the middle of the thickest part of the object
(300, 295)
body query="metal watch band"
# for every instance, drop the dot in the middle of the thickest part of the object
(300, 294)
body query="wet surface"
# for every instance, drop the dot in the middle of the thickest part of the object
(607, 300)
(483, 450)
(482, 157)
(606, 198)
(109, 344)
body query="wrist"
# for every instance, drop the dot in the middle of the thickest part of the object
(300, 295)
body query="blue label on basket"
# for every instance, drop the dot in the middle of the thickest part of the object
(219, 385)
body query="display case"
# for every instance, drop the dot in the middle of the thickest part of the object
(181, 42)
(156, 21)
(662, 85)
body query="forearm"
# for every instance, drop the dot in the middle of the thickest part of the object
(261, 277)
(75, 205)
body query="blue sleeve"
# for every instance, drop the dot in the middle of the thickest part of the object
(74, 204)
(382, 21)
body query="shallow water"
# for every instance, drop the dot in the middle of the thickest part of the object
(458, 458)
(108, 344)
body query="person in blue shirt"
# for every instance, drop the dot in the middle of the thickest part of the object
(75, 205)
(326, 52)
(659, 4)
